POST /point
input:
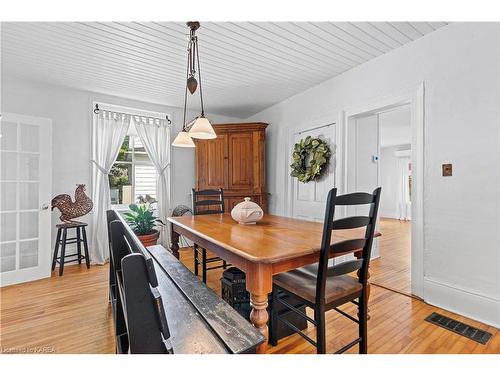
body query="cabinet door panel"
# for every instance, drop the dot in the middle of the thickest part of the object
(232, 202)
(211, 163)
(261, 200)
(240, 161)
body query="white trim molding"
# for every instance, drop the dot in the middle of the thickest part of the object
(463, 302)
(414, 96)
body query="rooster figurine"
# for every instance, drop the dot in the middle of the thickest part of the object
(69, 209)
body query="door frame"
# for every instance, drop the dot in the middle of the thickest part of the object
(44, 236)
(331, 120)
(415, 98)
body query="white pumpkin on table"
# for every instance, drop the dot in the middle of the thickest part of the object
(247, 212)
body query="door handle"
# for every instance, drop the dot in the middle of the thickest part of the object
(44, 207)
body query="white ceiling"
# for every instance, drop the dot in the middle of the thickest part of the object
(395, 127)
(246, 67)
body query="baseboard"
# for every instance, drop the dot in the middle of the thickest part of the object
(392, 217)
(471, 305)
(389, 216)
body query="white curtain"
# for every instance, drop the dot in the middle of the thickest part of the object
(404, 188)
(109, 130)
(155, 136)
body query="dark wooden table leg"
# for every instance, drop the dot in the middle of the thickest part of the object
(259, 318)
(174, 242)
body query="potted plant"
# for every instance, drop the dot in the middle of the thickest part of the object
(142, 221)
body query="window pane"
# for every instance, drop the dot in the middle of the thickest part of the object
(29, 138)
(125, 153)
(7, 257)
(8, 140)
(8, 226)
(133, 177)
(28, 225)
(29, 167)
(8, 192)
(28, 195)
(28, 254)
(8, 165)
(145, 183)
(120, 179)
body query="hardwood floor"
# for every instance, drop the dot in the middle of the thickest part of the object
(71, 315)
(393, 269)
(68, 314)
(396, 326)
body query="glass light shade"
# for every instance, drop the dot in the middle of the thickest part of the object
(202, 129)
(183, 140)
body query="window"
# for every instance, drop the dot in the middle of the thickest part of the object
(133, 177)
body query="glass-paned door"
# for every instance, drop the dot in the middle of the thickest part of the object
(25, 188)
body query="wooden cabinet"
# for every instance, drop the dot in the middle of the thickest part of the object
(235, 161)
(211, 163)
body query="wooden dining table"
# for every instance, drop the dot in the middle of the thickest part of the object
(273, 245)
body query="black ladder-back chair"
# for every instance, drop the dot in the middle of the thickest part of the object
(140, 322)
(324, 288)
(203, 203)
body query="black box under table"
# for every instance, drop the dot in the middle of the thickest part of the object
(233, 285)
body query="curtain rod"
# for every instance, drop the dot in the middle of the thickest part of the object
(97, 110)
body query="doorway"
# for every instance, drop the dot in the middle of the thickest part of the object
(384, 147)
(25, 189)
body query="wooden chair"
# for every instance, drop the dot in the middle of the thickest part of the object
(203, 204)
(323, 288)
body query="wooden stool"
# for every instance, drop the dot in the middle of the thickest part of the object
(63, 228)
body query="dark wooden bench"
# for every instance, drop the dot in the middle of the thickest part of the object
(159, 306)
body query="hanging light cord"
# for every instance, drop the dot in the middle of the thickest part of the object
(199, 76)
(193, 57)
(186, 91)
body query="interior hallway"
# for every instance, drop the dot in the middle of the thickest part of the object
(393, 269)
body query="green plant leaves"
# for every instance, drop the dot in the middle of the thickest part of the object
(141, 219)
(320, 155)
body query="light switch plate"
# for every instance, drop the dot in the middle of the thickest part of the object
(447, 170)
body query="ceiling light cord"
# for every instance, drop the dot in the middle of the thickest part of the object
(200, 127)
(186, 91)
(199, 77)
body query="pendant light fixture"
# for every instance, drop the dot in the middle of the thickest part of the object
(200, 127)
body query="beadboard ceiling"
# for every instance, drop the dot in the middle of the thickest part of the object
(246, 67)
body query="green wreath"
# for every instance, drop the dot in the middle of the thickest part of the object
(319, 153)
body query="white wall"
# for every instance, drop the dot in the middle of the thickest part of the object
(459, 65)
(71, 114)
(395, 126)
